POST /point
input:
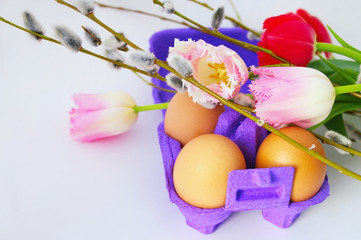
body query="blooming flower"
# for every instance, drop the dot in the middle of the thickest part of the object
(322, 34)
(101, 115)
(298, 95)
(219, 68)
(289, 37)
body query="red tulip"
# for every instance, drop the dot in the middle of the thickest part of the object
(322, 34)
(289, 37)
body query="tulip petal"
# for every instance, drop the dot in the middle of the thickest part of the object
(102, 101)
(275, 21)
(88, 126)
(205, 59)
(287, 95)
(322, 35)
(289, 37)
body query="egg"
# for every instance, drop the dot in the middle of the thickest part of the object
(201, 170)
(185, 120)
(309, 171)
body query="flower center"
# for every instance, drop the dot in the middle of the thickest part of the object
(220, 73)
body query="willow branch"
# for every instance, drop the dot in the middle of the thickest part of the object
(238, 23)
(85, 51)
(92, 17)
(145, 13)
(332, 143)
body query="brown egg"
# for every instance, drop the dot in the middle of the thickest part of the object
(201, 170)
(185, 120)
(309, 171)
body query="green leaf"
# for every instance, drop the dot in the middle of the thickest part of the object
(341, 41)
(337, 124)
(339, 79)
(344, 64)
(347, 98)
(346, 74)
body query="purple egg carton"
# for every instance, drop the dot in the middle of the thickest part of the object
(266, 189)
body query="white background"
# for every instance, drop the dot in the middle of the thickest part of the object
(53, 188)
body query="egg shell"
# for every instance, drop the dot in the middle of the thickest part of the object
(185, 120)
(201, 170)
(309, 172)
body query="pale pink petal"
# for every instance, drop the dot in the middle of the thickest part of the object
(200, 54)
(292, 95)
(102, 101)
(88, 126)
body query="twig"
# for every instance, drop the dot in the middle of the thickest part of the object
(238, 23)
(332, 143)
(235, 10)
(153, 85)
(145, 13)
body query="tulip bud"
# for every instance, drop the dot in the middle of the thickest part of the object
(101, 115)
(298, 95)
(289, 37)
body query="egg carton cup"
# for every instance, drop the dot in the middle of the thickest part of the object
(265, 189)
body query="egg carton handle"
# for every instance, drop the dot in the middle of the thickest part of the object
(259, 189)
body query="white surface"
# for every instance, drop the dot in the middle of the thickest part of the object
(53, 188)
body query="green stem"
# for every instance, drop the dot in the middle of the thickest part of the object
(327, 47)
(158, 106)
(217, 34)
(348, 89)
(358, 95)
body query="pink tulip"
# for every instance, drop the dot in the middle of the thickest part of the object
(298, 95)
(101, 115)
(218, 68)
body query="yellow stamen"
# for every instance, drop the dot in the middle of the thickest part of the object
(220, 74)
